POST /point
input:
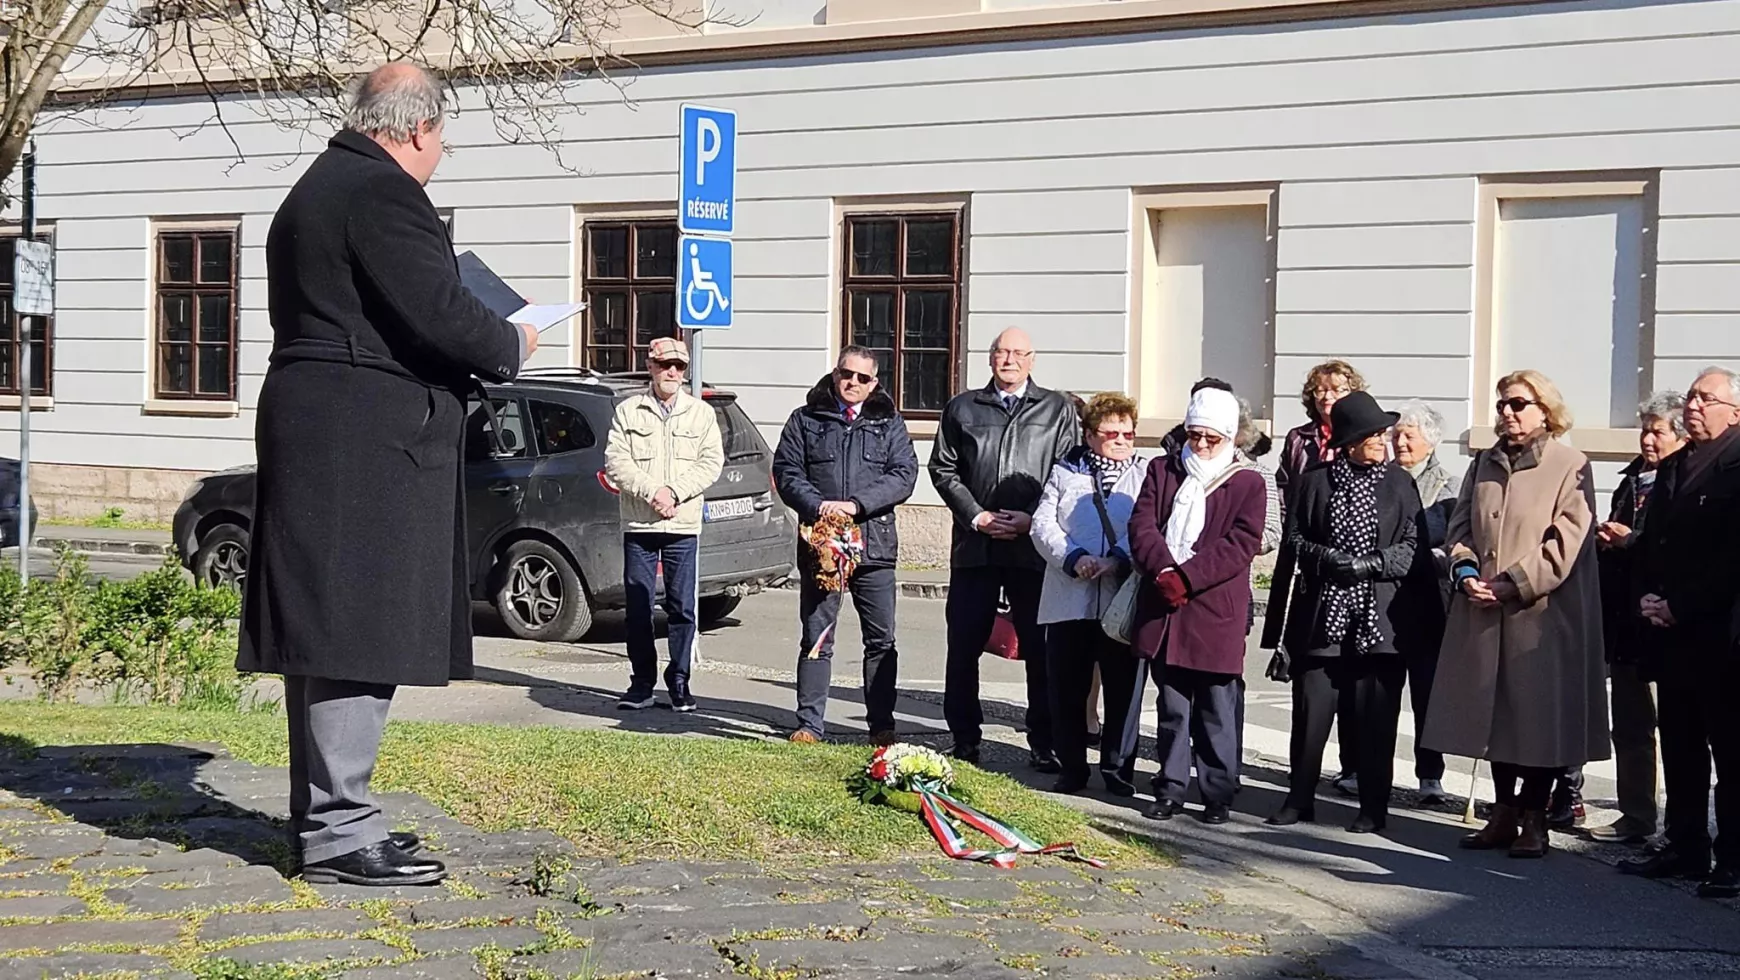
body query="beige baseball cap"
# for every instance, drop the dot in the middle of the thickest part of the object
(668, 349)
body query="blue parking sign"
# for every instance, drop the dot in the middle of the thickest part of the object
(707, 171)
(703, 282)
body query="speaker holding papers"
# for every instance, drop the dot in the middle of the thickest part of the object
(503, 301)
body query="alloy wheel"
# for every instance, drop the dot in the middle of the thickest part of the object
(535, 591)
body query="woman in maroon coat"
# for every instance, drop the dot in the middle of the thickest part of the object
(1197, 525)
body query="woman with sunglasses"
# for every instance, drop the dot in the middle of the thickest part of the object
(1521, 680)
(1196, 527)
(1081, 528)
(1349, 589)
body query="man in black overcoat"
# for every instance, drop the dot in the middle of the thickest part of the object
(358, 580)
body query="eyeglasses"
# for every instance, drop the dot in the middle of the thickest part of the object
(1516, 405)
(846, 374)
(666, 365)
(999, 354)
(1208, 440)
(1116, 435)
(1341, 392)
(1706, 399)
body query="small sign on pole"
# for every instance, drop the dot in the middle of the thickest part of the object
(706, 217)
(33, 278)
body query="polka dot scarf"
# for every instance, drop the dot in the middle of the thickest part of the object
(1351, 611)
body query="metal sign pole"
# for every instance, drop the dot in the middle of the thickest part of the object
(24, 386)
(695, 345)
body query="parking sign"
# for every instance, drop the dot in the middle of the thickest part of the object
(708, 171)
(703, 282)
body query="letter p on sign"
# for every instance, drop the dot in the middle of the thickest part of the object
(708, 143)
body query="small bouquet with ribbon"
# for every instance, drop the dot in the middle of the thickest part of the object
(838, 545)
(920, 780)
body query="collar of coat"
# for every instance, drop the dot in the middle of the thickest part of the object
(1529, 458)
(350, 139)
(1076, 460)
(990, 395)
(825, 402)
(645, 401)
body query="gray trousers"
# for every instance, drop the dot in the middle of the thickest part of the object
(335, 734)
(1634, 744)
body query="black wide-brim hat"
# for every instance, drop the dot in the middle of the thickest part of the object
(1357, 416)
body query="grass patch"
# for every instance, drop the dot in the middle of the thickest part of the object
(113, 517)
(612, 793)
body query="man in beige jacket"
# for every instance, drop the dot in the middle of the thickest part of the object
(663, 453)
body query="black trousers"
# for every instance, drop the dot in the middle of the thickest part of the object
(1072, 650)
(971, 612)
(1696, 700)
(1536, 785)
(873, 590)
(1422, 668)
(1371, 687)
(1199, 714)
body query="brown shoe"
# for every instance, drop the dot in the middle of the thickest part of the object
(1532, 841)
(804, 736)
(882, 739)
(1500, 830)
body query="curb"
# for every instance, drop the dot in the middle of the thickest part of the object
(940, 590)
(92, 546)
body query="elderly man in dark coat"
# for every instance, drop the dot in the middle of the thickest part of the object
(358, 580)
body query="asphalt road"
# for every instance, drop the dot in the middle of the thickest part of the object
(114, 568)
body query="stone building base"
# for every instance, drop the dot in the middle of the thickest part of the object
(65, 492)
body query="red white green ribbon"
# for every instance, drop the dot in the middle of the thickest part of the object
(936, 808)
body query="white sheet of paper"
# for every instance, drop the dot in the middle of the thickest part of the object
(545, 317)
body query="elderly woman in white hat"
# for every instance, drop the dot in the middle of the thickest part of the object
(1196, 527)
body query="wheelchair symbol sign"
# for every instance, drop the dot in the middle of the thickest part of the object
(703, 283)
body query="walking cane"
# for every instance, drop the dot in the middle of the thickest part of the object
(1473, 785)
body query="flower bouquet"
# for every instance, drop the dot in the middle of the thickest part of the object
(920, 780)
(837, 545)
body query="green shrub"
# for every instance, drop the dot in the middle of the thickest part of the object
(159, 638)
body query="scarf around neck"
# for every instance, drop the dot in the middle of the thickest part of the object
(1107, 472)
(1190, 503)
(1353, 529)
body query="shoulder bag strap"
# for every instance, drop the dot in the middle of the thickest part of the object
(1100, 505)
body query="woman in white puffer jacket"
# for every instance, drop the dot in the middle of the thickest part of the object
(1086, 559)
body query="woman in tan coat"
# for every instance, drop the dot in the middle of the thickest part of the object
(1520, 678)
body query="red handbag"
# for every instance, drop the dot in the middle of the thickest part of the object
(1004, 641)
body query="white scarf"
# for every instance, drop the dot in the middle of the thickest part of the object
(1190, 504)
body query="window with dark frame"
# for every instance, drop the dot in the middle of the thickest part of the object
(196, 315)
(41, 334)
(630, 291)
(902, 285)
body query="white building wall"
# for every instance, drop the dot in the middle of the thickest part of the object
(1376, 130)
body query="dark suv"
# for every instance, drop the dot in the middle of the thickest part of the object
(545, 539)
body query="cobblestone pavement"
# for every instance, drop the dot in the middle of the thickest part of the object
(166, 861)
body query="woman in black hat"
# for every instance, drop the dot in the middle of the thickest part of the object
(1347, 592)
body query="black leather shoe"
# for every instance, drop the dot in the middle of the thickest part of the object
(1724, 882)
(1363, 824)
(1668, 864)
(1118, 786)
(405, 841)
(379, 864)
(1070, 782)
(1045, 761)
(1163, 810)
(1287, 816)
(1216, 813)
(966, 752)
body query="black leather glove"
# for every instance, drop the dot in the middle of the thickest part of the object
(1338, 568)
(1280, 667)
(1368, 567)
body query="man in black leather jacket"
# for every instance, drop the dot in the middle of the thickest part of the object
(847, 451)
(994, 450)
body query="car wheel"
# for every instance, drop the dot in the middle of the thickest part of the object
(540, 596)
(716, 607)
(222, 559)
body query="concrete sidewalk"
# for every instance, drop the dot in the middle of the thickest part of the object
(105, 540)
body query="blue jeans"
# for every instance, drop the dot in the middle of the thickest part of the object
(641, 554)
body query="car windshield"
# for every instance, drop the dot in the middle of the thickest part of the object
(737, 433)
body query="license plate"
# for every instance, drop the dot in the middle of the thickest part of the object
(723, 510)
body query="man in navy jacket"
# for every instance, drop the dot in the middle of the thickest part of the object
(847, 452)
